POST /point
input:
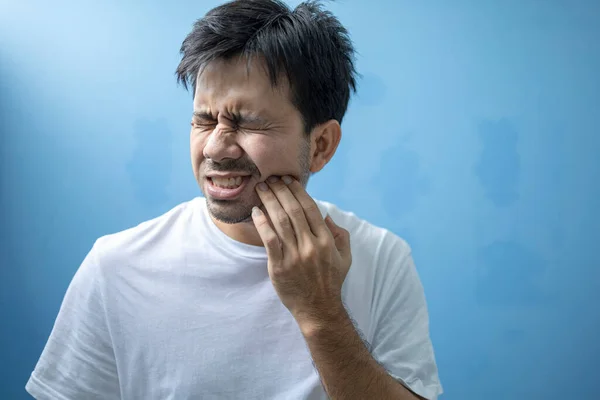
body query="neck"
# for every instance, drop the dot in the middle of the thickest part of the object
(244, 232)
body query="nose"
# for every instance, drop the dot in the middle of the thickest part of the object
(222, 144)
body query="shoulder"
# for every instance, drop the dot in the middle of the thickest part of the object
(370, 239)
(148, 237)
(382, 265)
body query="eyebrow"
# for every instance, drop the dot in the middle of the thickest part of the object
(238, 118)
(203, 115)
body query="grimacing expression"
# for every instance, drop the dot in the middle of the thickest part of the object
(243, 131)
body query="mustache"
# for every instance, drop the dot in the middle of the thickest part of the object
(231, 165)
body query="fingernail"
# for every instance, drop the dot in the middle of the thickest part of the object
(273, 179)
(287, 180)
(255, 211)
(263, 187)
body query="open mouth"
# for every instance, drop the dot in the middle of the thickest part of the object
(226, 188)
(227, 183)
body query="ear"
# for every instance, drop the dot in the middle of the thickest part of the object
(324, 140)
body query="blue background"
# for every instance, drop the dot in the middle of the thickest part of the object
(474, 136)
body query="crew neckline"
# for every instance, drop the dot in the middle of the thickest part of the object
(228, 244)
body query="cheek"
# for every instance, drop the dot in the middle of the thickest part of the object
(196, 147)
(272, 156)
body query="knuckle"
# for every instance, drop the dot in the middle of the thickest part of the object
(325, 242)
(272, 241)
(310, 253)
(311, 207)
(279, 188)
(297, 212)
(262, 222)
(283, 218)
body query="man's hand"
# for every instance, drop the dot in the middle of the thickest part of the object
(309, 257)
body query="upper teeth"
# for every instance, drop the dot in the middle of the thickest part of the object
(227, 182)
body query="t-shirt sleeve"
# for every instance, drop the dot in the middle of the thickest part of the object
(401, 341)
(78, 361)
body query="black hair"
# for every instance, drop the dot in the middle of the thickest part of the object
(307, 45)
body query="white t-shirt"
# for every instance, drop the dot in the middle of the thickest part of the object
(175, 309)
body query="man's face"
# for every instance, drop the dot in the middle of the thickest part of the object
(243, 131)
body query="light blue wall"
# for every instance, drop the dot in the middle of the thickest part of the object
(475, 136)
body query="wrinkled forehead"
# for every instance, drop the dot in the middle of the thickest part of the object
(241, 73)
(239, 83)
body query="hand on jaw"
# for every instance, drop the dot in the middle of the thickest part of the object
(309, 257)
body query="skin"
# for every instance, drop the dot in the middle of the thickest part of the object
(242, 123)
(308, 260)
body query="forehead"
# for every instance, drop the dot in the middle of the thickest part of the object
(237, 83)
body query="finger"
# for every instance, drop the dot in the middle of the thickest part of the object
(340, 235)
(278, 216)
(294, 210)
(264, 211)
(341, 238)
(267, 235)
(311, 210)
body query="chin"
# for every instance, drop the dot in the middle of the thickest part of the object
(230, 212)
(228, 220)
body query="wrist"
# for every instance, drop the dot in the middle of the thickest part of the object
(315, 323)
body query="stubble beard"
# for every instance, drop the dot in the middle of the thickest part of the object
(240, 210)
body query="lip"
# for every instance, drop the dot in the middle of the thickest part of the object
(225, 175)
(220, 193)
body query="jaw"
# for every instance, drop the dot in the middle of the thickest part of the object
(233, 210)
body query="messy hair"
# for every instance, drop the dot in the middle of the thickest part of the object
(307, 46)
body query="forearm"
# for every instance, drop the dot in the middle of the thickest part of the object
(347, 369)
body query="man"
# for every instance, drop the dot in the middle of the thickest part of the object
(254, 291)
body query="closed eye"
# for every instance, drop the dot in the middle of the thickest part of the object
(250, 122)
(203, 120)
(204, 123)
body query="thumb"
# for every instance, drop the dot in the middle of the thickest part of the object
(340, 236)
